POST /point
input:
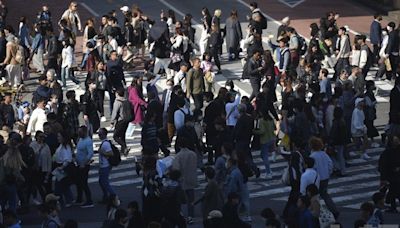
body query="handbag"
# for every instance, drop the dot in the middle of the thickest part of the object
(209, 76)
(175, 58)
(326, 217)
(388, 65)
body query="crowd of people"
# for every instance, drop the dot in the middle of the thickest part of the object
(295, 110)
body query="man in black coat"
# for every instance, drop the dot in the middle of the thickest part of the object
(392, 50)
(115, 76)
(254, 70)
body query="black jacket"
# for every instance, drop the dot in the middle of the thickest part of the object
(52, 47)
(214, 42)
(128, 33)
(90, 104)
(389, 165)
(394, 113)
(115, 74)
(338, 134)
(252, 69)
(244, 129)
(393, 42)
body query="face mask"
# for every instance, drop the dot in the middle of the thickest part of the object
(389, 28)
(169, 87)
(228, 87)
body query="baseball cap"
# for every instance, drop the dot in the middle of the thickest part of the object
(124, 8)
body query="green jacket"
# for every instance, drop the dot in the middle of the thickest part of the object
(195, 82)
(266, 130)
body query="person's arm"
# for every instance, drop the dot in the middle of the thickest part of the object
(330, 164)
(32, 122)
(363, 58)
(8, 55)
(303, 184)
(70, 56)
(89, 148)
(115, 112)
(155, 80)
(78, 21)
(189, 88)
(286, 58)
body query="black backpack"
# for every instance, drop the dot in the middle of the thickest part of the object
(127, 110)
(302, 48)
(115, 159)
(263, 21)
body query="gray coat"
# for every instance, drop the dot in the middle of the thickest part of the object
(233, 33)
(186, 162)
(118, 113)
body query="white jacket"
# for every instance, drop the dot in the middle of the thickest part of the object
(38, 118)
(68, 58)
(358, 127)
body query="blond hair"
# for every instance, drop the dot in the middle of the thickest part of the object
(217, 12)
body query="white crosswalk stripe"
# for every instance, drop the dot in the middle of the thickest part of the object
(350, 191)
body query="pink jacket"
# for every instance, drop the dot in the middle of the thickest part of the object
(136, 102)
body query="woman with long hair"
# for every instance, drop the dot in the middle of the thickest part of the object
(214, 44)
(10, 167)
(206, 19)
(88, 33)
(63, 162)
(100, 78)
(135, 96)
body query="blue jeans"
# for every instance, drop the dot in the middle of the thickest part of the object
(340, 162)
(245, 200)
(66, 72)
(265, 150)
(104, 182)
(189, 201)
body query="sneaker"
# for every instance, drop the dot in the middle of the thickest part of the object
(365, 156)
(67, 205)
(103, 119)
(375, 145)
(189, 220)
(87, 205)
(36, 202)
(274, 156)
(77, 203)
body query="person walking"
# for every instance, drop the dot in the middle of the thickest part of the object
(195, 86)
(376, 36)
(90, 107)
(324, 167)
(358, 128)
(265, 127)
(338, 139)
(392, 50)
(254, 70)
(72, 18)
(119, 119)
(186, 162)
(83, 157)
(343, 51)
(38, 49)
(68, 61)
(233, 35)
(105, 151)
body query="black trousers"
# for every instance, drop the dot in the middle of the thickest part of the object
(375, 52)
(394, 60)
(198, 101)
(214, 55)
(255, 85)
(119, 133)
(82, 184)
(101, 93)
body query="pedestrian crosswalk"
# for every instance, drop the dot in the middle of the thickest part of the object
(361, 182)
(349, 191)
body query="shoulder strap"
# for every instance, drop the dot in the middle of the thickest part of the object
(231, 111)
(316, 176)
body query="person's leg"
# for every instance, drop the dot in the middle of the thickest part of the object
(64, 76)
(323, 191)
(265, 148)
(376, 49)
(71, 75)
(157, 65)
(340, 158)
(102, 183)
(88, 194)
(245, 202)
(119, 135)
(189, 202)
(216, 59)
(112, 99)
(171, 131)
(101, 93)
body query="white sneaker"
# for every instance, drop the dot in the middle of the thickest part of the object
(103, 119)
(36, 202)
(274, 156)
(375, 145)
(365, 156)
